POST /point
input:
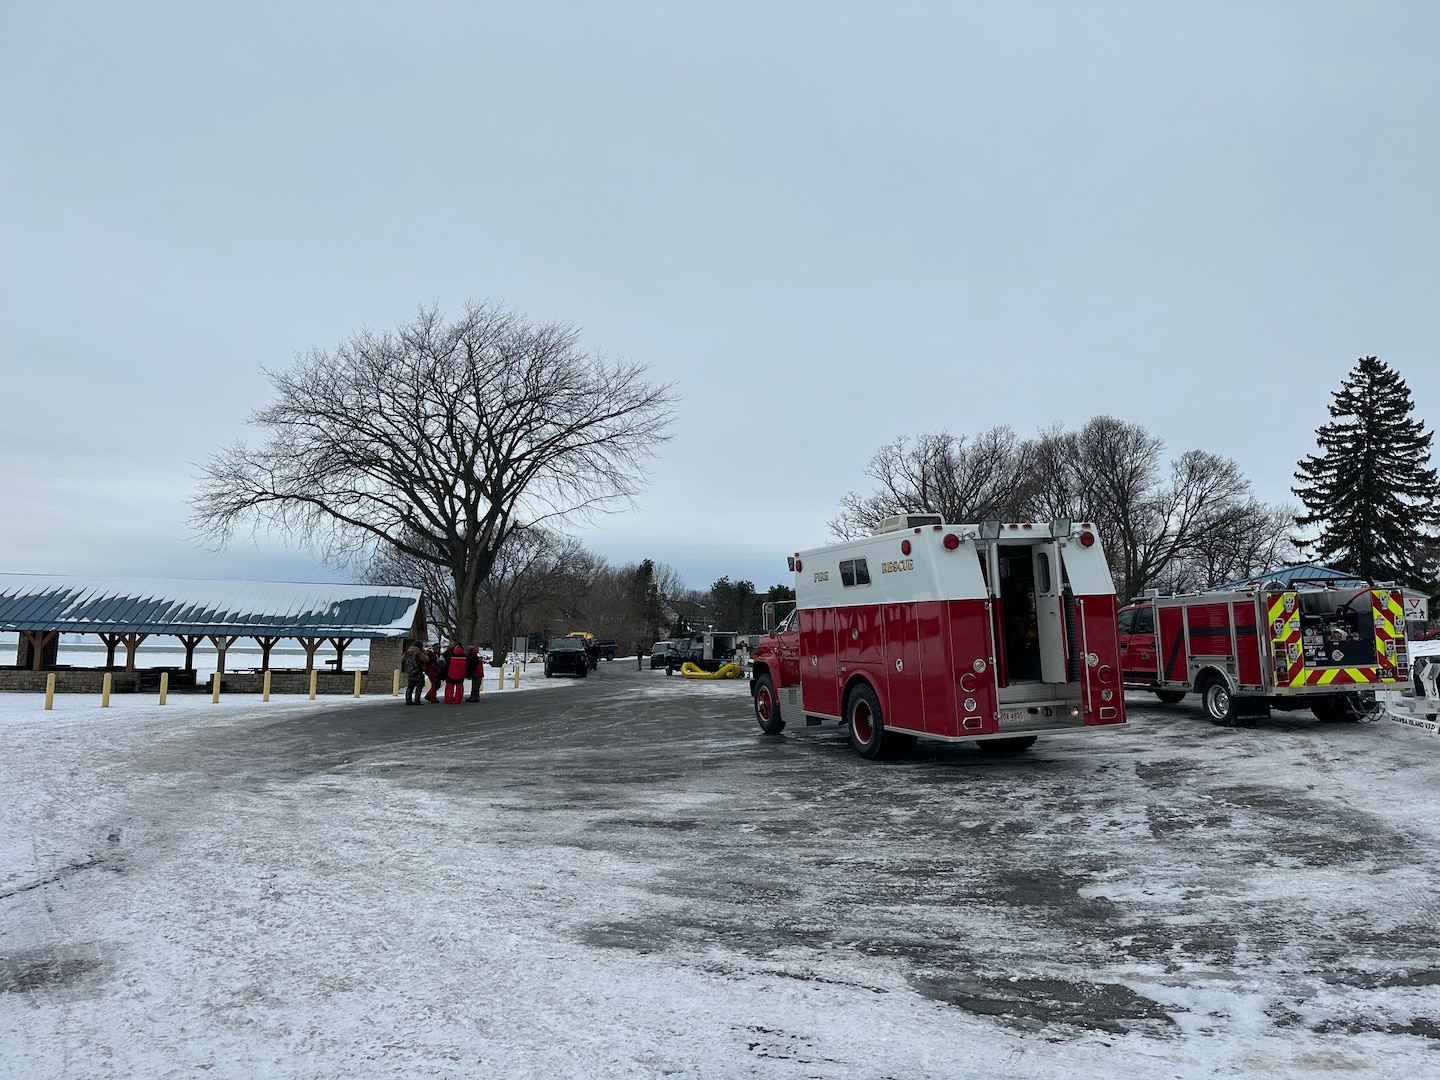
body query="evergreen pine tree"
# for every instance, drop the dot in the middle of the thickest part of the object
(1370, 489)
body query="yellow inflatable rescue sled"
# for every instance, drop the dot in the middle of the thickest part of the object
(693, 671)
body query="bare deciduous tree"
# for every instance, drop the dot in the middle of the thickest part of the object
(1197, 525)
(628, 602)
(537, 575)
(439, 440)
(1241, 542)
(963, 479)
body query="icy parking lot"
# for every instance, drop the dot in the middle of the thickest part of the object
(622, 877)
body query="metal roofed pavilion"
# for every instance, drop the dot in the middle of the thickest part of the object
(39, 602)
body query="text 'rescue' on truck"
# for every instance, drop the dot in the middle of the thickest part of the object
(1247, 650)
(985, 633)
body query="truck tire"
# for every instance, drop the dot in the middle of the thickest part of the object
(1005, 747)
(865, 723)
(584, 671)
(1170, 697)
(1217, 702)
(767, 707)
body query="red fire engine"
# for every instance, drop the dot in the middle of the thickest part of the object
(1264, 646)
(967, 633)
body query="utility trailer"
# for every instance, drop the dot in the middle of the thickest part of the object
(1247, 651)
(1419, 706)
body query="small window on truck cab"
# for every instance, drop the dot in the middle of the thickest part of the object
(1144, 620)
(854, 572)
(1127, 620)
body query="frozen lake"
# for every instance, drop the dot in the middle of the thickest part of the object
(85, 650)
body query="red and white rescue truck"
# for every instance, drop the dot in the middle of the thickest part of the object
(987, 633)
(1268, 646)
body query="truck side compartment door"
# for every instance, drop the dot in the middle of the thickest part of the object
(818, 667)
(937, 679)
(1171, 656)
(902, 667)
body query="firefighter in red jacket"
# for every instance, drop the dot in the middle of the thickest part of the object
(454, 674)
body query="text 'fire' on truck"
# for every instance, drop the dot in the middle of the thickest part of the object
(1267, 646)
(986, 633)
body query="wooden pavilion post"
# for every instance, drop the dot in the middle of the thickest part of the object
(110, 640)
(266, 643)
(190, 641)
(310, 644)
(131, 643)
(222, 643)
(39, 641)
(340, 644)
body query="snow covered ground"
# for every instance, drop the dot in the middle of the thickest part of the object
(622, 878)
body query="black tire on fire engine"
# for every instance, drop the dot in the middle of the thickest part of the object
(1217, 702)
(865, 723)
(767, 707)
(1170, 697)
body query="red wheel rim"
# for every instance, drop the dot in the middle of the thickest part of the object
(860, 721)
(763, 704)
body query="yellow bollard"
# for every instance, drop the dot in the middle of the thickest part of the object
(357, 684)
(164, 686)
(265, 687)
(314, 677)
(50, 691)
(215, 689)
(515, 682)
(500, 681)
(395, 689)
(105, 691)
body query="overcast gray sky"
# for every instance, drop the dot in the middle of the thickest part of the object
(828, 224)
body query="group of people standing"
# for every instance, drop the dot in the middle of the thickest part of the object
(451, 665)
